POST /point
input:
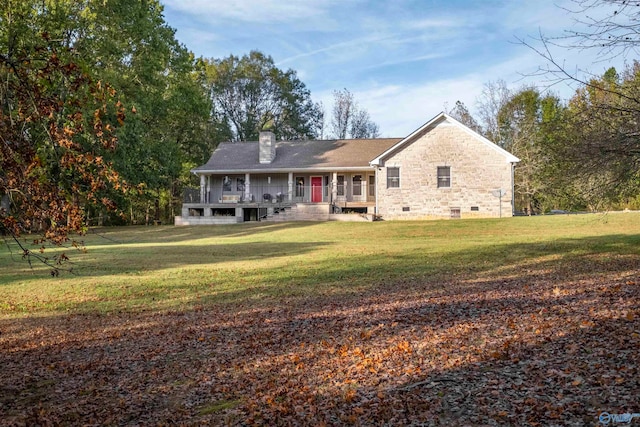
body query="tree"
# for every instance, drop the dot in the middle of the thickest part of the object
(250, 94)
(604, 113)
(603, 149)
(132, 47)
(610, 26)
(462, 114)
(320, 123)
(127, 43)
(52, 152)
(348, 120)
(536, 128)
(526, 129)
(494, 96)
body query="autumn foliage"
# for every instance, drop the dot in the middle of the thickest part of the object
(55, 128)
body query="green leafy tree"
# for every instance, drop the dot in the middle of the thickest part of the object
(128, 44)
(157, 77)
(526, 129)
(250, 93)
(603, 152)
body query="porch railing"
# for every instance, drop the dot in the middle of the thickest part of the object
(279, 194)
(191, 195)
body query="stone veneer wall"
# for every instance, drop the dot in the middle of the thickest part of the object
(476, 171)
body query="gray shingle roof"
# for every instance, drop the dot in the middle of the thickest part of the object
(296, 155)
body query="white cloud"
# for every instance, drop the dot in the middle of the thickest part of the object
(430, 24)
(345, 45)
(192, 36)
(406, 60)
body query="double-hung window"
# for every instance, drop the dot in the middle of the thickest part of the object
(300, 186)
(444, 177)
(372, 185)
(340, 186)
(393, 177)
(357, 185)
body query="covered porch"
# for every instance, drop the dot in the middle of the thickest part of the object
(232, 198)
(290, 187)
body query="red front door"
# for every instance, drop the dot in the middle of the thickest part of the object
(316, 189)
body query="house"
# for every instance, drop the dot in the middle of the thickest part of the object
(441, 170)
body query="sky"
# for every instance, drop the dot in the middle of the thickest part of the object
(405, 61)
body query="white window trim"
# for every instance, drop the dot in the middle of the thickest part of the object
(438, 178)
(399, 177)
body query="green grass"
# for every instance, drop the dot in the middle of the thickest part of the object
(218, 407)
(159, 268)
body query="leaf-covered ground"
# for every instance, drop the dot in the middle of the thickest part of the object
(554, 342)
(548, 347)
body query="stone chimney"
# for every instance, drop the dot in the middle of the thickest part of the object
(267, 144)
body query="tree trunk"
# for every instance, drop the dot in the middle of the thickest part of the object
(156, 215)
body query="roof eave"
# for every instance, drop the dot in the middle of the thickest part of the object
(282, 170)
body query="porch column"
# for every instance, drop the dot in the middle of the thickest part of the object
(290, 186)
(247, 187)
(377, 173)
(203, 189)
(334, 186)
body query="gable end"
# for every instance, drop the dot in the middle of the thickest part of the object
(441, 119)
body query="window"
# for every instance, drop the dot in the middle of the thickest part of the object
(357, 185)
(475, 208)
(372, 185)
(226, 184)
(444, 177)
(300, 186)
(239, 184)
(455, 212)
(340, 189)
(393, 177)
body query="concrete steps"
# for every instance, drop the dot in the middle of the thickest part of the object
(298, 213)
(312, 212)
